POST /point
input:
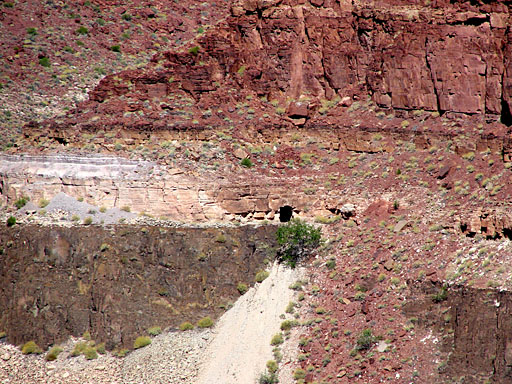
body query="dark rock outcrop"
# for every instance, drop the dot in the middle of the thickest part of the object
(118, 282)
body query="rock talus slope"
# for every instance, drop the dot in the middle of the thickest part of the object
(241, 343)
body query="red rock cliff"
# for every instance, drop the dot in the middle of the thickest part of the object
(444, 56)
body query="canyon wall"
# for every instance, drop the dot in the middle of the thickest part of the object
(473, 329)
(118, 282)
(439, 56)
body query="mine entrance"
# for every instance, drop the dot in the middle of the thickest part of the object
(285, 213)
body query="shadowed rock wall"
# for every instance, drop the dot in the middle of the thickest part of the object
(474, 328)
(117, 282)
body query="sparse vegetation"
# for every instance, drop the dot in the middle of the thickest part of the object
(21, 202)
(246, 162)
(53, 353)
(365, 340)
(154, 331)
(186, 326)
(141, 342)
(261, 275)
(440, 295)
(31, 347)
(242, 288)
(277, 339)
(11, 221)
(205, 322)
(297, 239)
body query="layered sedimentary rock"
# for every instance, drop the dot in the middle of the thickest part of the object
(438, 56)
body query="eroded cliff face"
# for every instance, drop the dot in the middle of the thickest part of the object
(473, 327)
(446, 57)
(117, 282)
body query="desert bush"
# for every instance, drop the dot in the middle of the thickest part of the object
(268, 378)
(242, 288)
(82, 31)
(440, 295)
(53, 353)
(100, 348)
(365, 340)
(288, 324)
(186, 326)
(21, 202)
(277, 339)
(31, 347)
(115, 48)
(205, 322)
(125, 208)
(90, 353)
(43, 203)
(246, 162)
(11, 221)
(299, 374)
(79, 348)
(261, 275)
(88, 220)
(220, 239)
(194, 50)
(297, 239)
(154, 331)
(141, 341)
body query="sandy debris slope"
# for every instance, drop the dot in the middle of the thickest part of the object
(241, 346)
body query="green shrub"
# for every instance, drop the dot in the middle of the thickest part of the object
(43, 203)
(32, 31)
(205, 322)
(126, 16)
(87, 335)
(261, 275)
(268, 378)
(75, 218)
(242, 288)
(330, 264)
(365, 340)
(11, 221)
(122, 352)
(154, 331)
(45, 62)
(115, 48)
(20, 203)
(288, 324)
(53, 353)
(440, 295)
(277, 339)
(31, 347)
(186, 326)
(88, 220)
(79, 348)
(100, 348)
(90, 353)
(272, 366)
(297, 239)
(82, 31)
(125, 208)
(194, 50)
(141, 341)
(246, 162)
(299, 374)
(220, 239)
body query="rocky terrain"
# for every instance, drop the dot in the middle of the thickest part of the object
(150, 151)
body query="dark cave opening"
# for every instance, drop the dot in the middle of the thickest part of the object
(285, 213)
